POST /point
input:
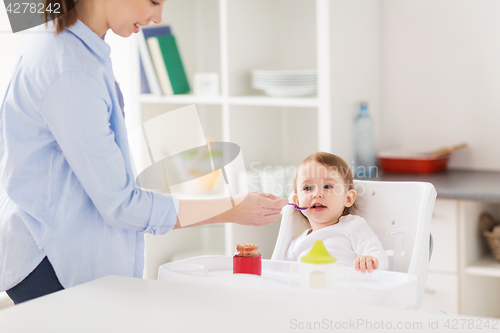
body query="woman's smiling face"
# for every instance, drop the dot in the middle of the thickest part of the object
(325, 192)
(128, 16)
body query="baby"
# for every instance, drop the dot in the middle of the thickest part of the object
(323, 183)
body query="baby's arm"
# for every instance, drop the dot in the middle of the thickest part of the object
(371, 254)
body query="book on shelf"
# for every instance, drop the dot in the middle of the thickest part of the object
(156, 30)
(168, 64)
(145, 88)
(149, 80)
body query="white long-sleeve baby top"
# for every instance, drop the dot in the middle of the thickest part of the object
(346, 240)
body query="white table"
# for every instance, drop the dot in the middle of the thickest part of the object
(119, 304)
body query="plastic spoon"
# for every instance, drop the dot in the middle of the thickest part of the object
(297, 207)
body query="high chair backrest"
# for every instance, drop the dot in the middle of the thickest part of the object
(398, 212)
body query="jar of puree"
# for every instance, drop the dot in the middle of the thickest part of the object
(247, 260)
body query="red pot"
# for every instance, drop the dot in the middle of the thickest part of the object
(413, 164)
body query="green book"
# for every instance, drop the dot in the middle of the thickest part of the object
(168, 64)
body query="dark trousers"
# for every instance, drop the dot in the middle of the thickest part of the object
(40, 282)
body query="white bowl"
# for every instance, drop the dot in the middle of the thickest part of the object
(284, 82)
(277, 72)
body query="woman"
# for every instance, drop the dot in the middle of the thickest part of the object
(70, 211)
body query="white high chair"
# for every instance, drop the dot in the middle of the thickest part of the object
(398, 212)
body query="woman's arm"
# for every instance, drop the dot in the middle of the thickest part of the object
(86, 127)
(76, 109)
(251, 209)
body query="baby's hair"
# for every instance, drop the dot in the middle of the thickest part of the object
(332, 162)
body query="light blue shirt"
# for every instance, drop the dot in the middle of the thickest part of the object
(67, 188)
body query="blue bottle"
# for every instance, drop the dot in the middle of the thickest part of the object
(364, 147)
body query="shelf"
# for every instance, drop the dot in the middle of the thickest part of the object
(261, 100)
(181, 99)
(275, 101)
(487, 266)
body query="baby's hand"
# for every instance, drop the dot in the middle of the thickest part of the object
(364, 263)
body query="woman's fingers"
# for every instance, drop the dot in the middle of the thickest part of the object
(267, 219)
(272, 212)
(258, 209)
(272, 201)
(271, 218)
(268, 195)
(278, 203)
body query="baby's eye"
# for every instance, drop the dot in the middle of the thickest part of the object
(307, 188)
(155, 3)
(328, 186)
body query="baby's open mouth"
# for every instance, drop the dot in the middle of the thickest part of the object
(317, 206)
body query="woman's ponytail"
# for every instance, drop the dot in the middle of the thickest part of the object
(63, 12)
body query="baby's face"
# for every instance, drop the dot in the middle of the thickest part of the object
(324, 191)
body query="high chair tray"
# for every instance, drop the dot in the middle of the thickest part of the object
(385, 288)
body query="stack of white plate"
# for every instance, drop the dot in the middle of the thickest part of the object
(285, 83)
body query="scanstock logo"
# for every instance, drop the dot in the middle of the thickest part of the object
(26, 14)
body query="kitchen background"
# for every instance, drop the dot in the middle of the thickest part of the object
(429, 69)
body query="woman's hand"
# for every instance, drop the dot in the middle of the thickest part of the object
(257, 209)
(365, 263)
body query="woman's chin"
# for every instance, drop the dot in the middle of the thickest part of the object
(122, 33)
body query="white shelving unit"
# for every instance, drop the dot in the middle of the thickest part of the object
(463, 276)
(479, 272)
(209, 34)
(486, 266)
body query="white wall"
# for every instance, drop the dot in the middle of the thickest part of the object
(355, 64)
(441, 77)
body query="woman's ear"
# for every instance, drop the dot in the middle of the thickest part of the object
(351, 197)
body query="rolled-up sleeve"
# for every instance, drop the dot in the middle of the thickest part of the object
(76, 108)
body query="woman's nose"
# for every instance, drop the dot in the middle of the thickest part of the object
(156, 18)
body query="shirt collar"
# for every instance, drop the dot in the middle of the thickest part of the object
(90, 38)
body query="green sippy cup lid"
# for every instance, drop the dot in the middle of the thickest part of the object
(318, 254)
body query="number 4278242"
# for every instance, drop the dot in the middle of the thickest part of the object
(31, 7)
(454, 324)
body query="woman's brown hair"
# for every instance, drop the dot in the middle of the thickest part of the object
(332, 162)
(66, 16)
